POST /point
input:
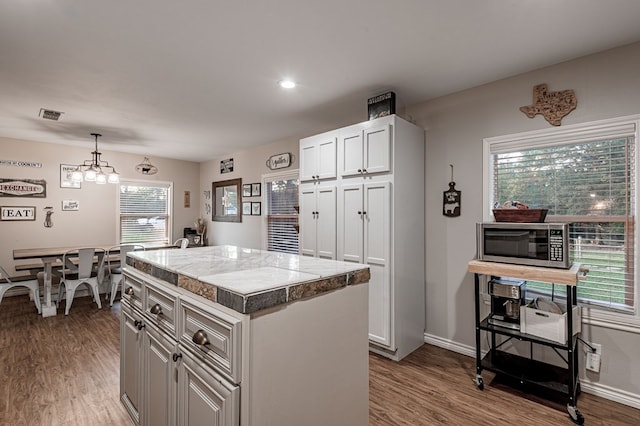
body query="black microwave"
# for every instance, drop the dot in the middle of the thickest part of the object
(533, 244)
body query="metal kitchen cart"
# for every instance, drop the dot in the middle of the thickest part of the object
(528, 371)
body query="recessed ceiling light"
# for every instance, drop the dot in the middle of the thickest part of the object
(287, 84)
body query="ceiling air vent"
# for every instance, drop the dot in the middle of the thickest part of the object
(50, 114)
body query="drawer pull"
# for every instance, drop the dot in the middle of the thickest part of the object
(200, 338)
(129, 291)
(156, 309)
(176, 357)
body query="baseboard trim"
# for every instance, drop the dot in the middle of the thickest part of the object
(597, 389)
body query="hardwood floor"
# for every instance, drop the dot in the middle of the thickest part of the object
(65, 371)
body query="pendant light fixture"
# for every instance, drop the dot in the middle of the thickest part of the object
(94, 169)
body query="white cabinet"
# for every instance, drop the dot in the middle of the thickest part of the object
(380, 222)
(318, 157)
(365, 224)
(365, 149)
(318, 221)
(204, 397)
(164, 381)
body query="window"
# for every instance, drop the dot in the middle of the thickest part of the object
(144, 212)
(585, 175)
(281, 198)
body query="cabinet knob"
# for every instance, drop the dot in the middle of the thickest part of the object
(364, 170)
(129, 291)
(139, 324)
(176, 357)
(359, 170)
(359, 212)
(200, 338)
(156, 309)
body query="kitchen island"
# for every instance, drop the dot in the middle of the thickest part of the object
(231, 336)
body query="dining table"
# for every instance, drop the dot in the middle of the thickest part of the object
(48, 256)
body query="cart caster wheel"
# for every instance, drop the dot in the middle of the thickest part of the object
(479, 382)
(575, 415)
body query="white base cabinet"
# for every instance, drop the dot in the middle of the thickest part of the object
(188, 361)
(380, 222)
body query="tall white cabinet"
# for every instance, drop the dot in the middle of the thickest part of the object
(379, 220)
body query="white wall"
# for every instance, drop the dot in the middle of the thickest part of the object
(249, 165)
(96, 221)
(606, 86)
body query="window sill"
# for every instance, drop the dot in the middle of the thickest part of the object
(613, 320)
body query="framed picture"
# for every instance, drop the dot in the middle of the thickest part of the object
(17, 213)
(255, 189)
(246, 190)
(246, 208)
(255, 208)
(66, 171)
(70, 205)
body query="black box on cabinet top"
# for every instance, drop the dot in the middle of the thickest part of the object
(382, 105)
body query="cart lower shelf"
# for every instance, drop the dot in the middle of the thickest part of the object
(527, 371)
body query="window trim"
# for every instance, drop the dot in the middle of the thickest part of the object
(290, 174)
(576, 133)
(168, 184)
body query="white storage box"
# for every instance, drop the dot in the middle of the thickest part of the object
(549, 325)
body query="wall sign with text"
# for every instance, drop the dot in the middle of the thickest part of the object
(23, 188)
(226, 166)
(12, 213)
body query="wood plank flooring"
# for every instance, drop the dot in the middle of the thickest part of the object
(65, 371)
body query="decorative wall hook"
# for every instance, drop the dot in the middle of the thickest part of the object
(48, 223)
(452, 199)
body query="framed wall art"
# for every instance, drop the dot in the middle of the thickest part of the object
(15, 213)
(255, 189)
(246, 208)
(70, 205)
(246, 190)
(66, 181)
(255, 208)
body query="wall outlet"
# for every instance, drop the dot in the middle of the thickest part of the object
(596, 346)
(594, 354)
(593, 362)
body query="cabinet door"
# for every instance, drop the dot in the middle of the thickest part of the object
(351, 151)
(326, 222)
(160, 376)
(130, 361)
(307, 218)
(204, 397)
(308, 159)
(327, 157)
(377, 149)
(377, 241)
(351, 224)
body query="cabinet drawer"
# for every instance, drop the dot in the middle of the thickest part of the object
(132, 291)
(160, 307)
(214, 337)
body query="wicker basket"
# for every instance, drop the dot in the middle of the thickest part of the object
(520, 215)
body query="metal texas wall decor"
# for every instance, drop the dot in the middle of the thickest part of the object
(552, 105)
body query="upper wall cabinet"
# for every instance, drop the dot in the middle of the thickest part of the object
(318, 157)
(365, 150)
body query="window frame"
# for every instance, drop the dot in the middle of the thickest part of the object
(270, 177)
(142, 182)
(576, 133)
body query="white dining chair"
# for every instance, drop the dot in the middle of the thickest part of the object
(29, 281)
(115, 267)
(182, 243)
(84, 273)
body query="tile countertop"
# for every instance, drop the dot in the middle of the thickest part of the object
(247, 280)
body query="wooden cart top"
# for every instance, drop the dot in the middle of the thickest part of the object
(569, 276)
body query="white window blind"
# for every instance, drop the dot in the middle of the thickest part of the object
(144, 213)
(589, 182)
(282, 217)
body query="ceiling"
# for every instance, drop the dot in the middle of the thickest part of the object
(196, 79)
